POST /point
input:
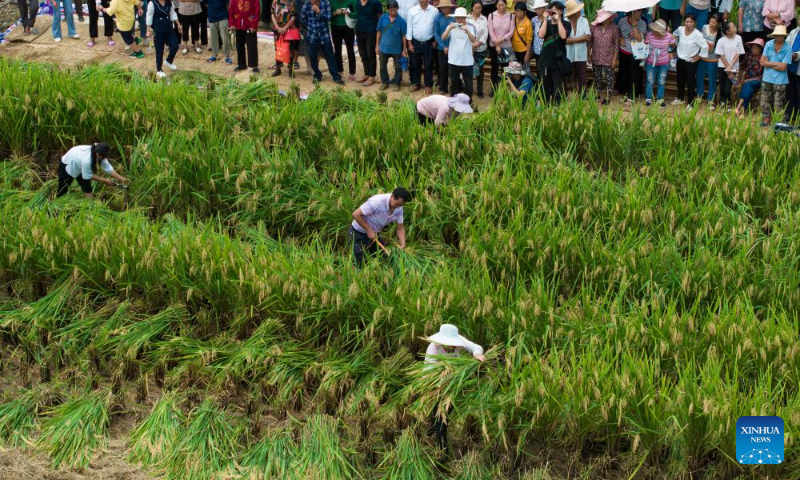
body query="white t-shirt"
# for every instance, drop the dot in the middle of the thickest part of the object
(577, 52)
(690, 45)
(460, 51)
(79, 162)
(730, 48)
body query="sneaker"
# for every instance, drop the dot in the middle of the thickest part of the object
(661, 104)
(648, 102)
(396, 87)
(137, 55)
(171, 66)
(256, 70)
(339, 82)
(198, 50)
(111, 43)
(677, 101)
(689, 107)
(75, 37)
(185, 51)
(127, 48)
(90, 44)
(161, 75)
(712, 107)
(239, 68)
(383, 86)
(229, 61)
(212, 59)
(57, 40)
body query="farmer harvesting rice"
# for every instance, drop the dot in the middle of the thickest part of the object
(447, 343)
(371, 217)
(438, 109)
(80, 163)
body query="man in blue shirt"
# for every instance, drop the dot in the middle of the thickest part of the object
(316, 16)
(391, 44)
(442, 46)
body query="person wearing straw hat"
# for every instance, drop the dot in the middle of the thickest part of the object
(80, 163)
(461, 35)
(775, 60)
(519, 82)
(447, 343)
(604, 52)
(443, 21)
(439, 109)
(372, 217)
(753, 71)
(577, 43)
(793, 89)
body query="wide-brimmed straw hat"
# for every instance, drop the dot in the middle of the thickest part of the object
(757, 41)
(514, 68)
(445, 3)
(573, 7)
(780, 31)
(460, 103)
(602, 16)
(448, 336)
(460, 12)
(659, 26)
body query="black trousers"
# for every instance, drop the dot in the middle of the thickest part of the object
(366, 49)
(687, 79)
(204, 24)
(362, 244)
(461, 80)
(672, 17)
(443, 74)
(28, 10)
(108, 22)
(725, 87)
(346, 35)
(247, 48)
(424, 120)
(792, 99)
(439, 428)
(191, 23)
(630, 76)
(169, 39)
(422, 58)
(65, 180)
(494, 73)
(553, 84)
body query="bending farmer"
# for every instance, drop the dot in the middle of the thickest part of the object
(80, 163)
(447, 343)
(370, 218)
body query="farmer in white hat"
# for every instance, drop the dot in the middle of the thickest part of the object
(518, 81)
(461, 35)
(447, 343)
(438, 109)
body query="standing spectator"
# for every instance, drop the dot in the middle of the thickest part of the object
(163, 21)
(243, 17)
(691, 47)
(419, 36)
(554, 32)
(523, 33)
(461, 36)
(191, 16)
(697, 8)
(631, 29)
(56, 29)
(391, 44)
(729, 48)
(723, 7)
(536, 46)
(501, 28)
(368, 13)
(218, 18)
(657, 63)
(793, 93)
(753, 71)
(604, 47)
(123, 10)
(488, 7)
(670, 12)
(405, 6)
(27, 14)
(751, 21)
(303, 50)
(707, 66)
(775, 60)
(316, 15)
(108, 26)
(481, 26)
(779, 12)
(284, 23)
(341, 32)
(442, 45)
(578, 43)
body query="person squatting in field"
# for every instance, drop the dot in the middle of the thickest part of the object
(80, 163)
(371, 217)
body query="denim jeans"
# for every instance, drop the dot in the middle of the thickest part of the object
(330, 58)
(748, 89)
(700, 15)
(656, 74)
(707, 69)
(398, 72)
(68, 12)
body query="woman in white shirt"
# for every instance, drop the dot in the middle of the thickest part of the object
(481, 26)
(80, 163)
(447, 343)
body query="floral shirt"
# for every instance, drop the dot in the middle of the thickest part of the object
(537, 41)
(605, 41)
(752, 67)
(752, 20)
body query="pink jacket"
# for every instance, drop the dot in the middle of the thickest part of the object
(501, 27)
(784, 7)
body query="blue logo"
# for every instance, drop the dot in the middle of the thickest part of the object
(759, 440)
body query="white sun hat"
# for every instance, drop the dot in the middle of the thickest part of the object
(448, 336)
(460, 103)
(460, 12)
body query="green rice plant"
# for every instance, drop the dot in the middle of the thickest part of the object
(408, 460)
(76, 430)
(473, 467)
(131, 340)
(19, 415)
(155, 436)
(205, 448)
(321, 453)
(271, 457)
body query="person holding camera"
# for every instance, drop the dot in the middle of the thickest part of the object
(519, 82)
(461, 62)
(553, 61)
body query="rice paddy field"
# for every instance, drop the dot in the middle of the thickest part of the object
(633, 277)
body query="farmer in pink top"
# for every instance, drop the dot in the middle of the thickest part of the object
(438, 109)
